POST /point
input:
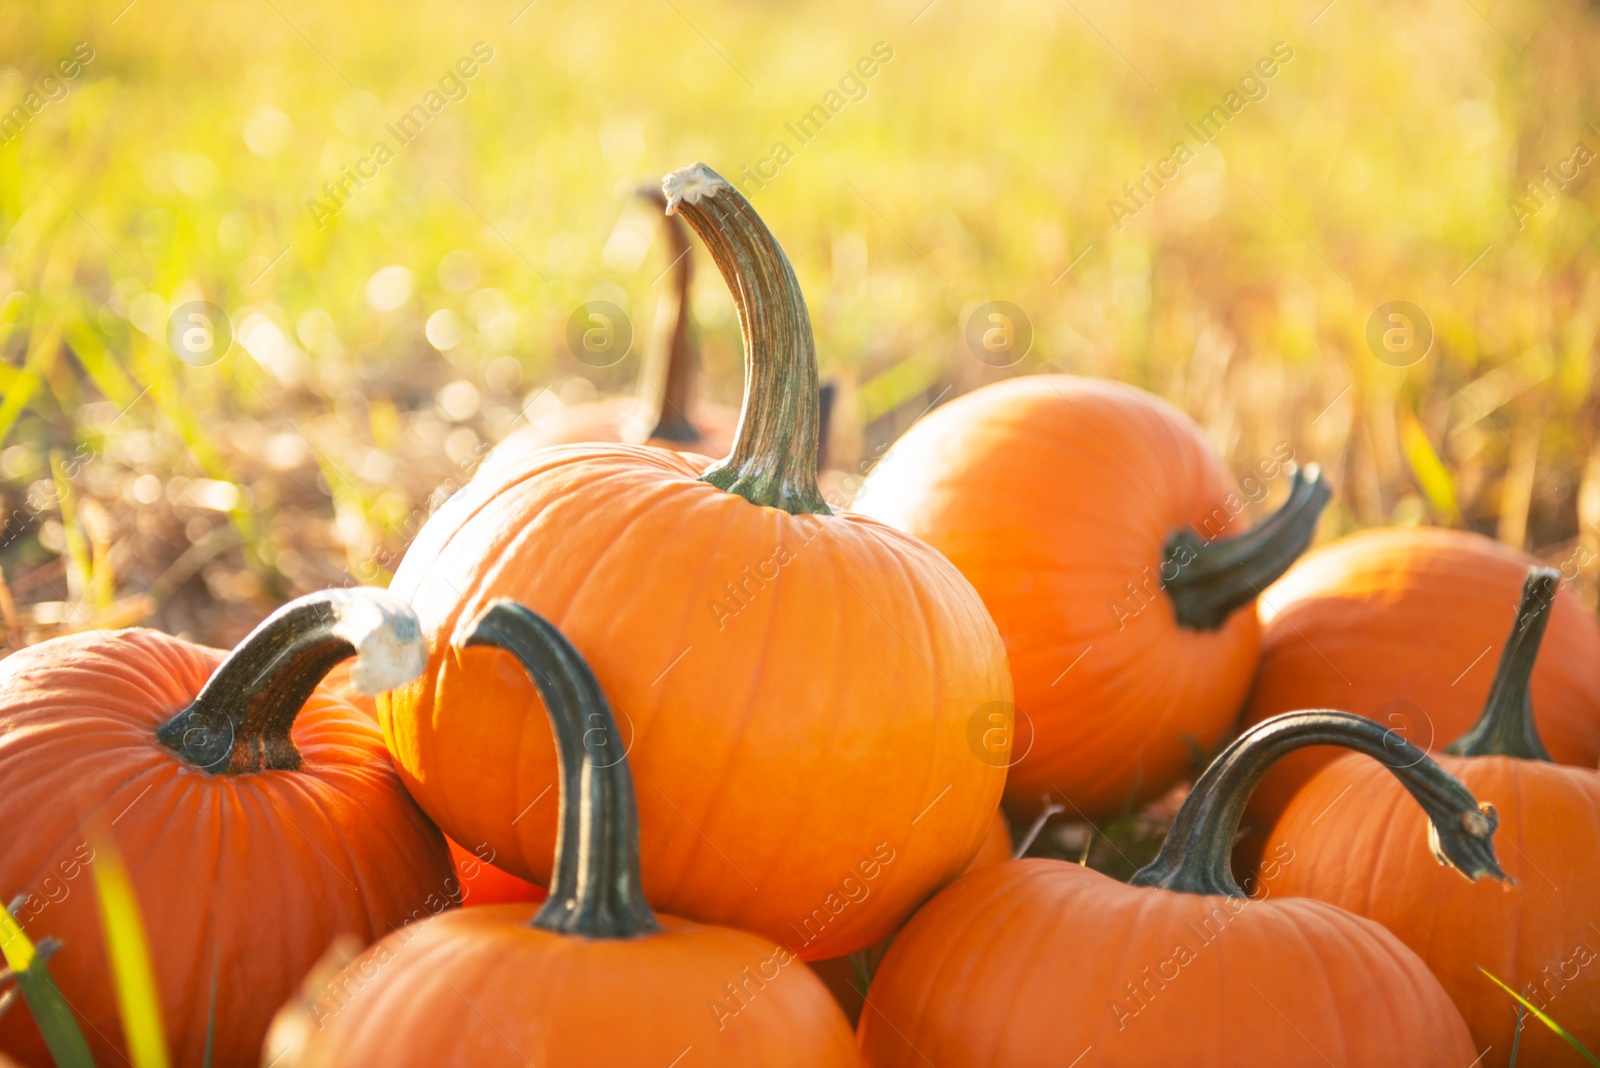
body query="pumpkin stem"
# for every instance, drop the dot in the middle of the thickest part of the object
(669, 366)
(596, 889)
(240, 720)
(1212, 578)
(774, 457)
(1195, 857)
(1506, 727)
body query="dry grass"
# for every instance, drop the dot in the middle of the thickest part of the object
(979, 165)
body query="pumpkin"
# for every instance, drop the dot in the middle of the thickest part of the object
(1038, 962)
(592, 976)
(257, 815)
(1106, 538)
(482, 883)
(1402, 625)
(664, 412)
(1538, 934)
(776, 666)
(847, 978)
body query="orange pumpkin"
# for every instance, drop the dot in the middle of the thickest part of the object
(1538, 935)
(847, 978)
(1040, 962)
(482, 883)
(777, 667)
(664, 412)
(257, 814)
(592, 977)
(1402, 625)
(1106, 538)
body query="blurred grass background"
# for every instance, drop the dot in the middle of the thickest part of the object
(375, 357)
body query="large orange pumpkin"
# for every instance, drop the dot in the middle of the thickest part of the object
(1044, 962)
(258, 815)
(1347, 831)
(798, 689)
(664, 412)
(1108, 541)
(592, 977)
(1403, 625)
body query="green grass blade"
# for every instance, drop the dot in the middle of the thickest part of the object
(51, 1013)
(130, 962)
(211, 1013)
(1542, 1018)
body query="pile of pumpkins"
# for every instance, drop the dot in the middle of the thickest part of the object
(780, 735)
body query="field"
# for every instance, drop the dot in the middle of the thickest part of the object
(385, 331)
(274, 276)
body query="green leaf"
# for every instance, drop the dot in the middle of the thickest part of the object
(130, 962)
(1542, 1018)
(51, 1013)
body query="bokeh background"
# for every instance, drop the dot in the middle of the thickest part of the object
(375, 353)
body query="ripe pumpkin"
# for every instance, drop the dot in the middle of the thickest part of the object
(1037, 962)
(778, 666)
(592, 977)
(847, 977)
(482, 883)
(664, 412)
(1101, 529)
(257, 814)
(1538, 934)
(1402, 625)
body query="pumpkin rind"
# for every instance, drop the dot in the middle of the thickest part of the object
(1039, 962)
(772, 671)
(1537, 934)
(1403, 626)
(594, 977)
(1096, 965)
(263, 869)
(1366, 854)
(1056, 496)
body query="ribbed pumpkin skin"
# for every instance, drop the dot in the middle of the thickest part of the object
(1051, 493)
(1389, 621)
(774, 758)
(482, 883)
(478, 988)
(1368, 854)
(263, 868)
(602, 421)
(1021, 965)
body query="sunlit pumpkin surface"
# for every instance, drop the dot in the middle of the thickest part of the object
(1359, 842)
(1038, 962)
(1405, 626)
(795, 692)
(257, 872)
(1055, 495)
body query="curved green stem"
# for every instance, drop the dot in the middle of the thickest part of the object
(1506, 727)
(596, 890)
(240, 720)
(774, 457)
(1211, 578)
(1195, 857)
(666, 381)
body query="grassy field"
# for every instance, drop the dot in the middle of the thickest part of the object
(394, 309)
